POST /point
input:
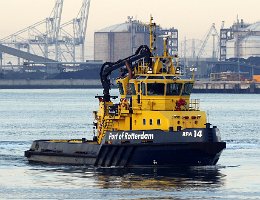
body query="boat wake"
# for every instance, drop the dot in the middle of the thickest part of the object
(12, 153)
(243, 144)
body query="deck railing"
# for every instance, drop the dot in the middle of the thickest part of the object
(194, 104)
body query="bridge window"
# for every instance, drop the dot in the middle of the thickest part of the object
(173, 89)
(120, 87)
(155, 77)
(131, 89)
(158, 122)
(172, 77)
(141, 77)
(144, 122)
(151, 122)
(155, 89)
(187, 88)
(143, 89)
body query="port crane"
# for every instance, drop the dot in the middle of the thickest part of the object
(42, 34)
(71, 39)
(212, 31)
(48, 40)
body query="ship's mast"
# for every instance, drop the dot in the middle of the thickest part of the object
(152, 27)
(165, 50)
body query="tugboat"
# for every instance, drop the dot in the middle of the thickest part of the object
(155, 123)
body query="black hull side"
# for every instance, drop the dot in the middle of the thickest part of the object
(137, 155)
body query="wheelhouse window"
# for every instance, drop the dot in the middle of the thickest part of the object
(155, 89)
(131, 89)
(187, 88)
(173, 89)
(144, 122)
(143, 89)
(172, 77)
(155, 77)
(141, 77)
(120, 87)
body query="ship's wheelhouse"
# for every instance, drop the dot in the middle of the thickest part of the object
(161, 92)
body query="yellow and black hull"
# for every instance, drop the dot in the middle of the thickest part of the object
(133, 149)
(137, 155)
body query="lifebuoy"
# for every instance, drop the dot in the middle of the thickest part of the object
(181, 102)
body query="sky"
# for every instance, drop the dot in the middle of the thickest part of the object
(193, 18)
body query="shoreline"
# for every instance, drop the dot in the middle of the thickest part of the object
(199, 86)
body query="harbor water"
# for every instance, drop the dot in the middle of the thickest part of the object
(27, 115)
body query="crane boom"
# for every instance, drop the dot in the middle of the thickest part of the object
(81, 21)
(80, 26)
(143, 52)
(212, 30)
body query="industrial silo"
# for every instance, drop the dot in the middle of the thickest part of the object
(121, 40)
(245, 42)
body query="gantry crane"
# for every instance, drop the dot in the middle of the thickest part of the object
(70, 40)
(49, 38)
(43, 34)
(212, 31)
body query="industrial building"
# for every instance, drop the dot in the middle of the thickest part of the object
(241, 40)
(239, 57)
(121, 40)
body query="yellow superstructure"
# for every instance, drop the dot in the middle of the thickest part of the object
(153, 96)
